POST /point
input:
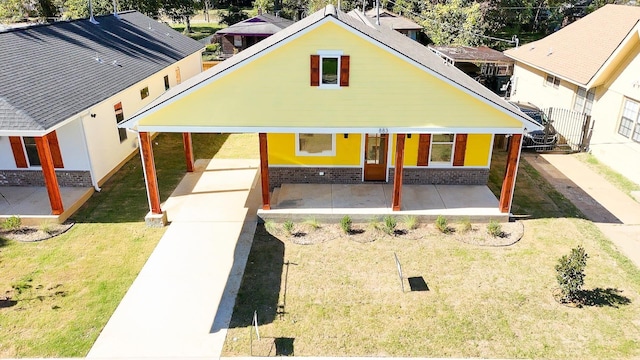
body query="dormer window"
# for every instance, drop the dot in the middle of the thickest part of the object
(329, 69)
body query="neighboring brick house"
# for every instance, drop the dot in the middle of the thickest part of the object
(338, 99)
(590, 66)
(67, 85)
(240, 36)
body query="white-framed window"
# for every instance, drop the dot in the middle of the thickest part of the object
(330, 68)
(144, 93)
(31, 151)
(584, 100)
(166, 83)
(315, 144)
(237, 40)
(441, 152)
(552, 81)
(630, 120)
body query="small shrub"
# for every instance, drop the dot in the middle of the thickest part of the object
(494, 228)
(313, 223)
(270, 226)
(46, 227)
(374, 223)
(390, 224)
(12, 223)
(570, 274)
(442, 224)
(465, 225)
(213, 48)
(288, 227)
(411, 222)
(345, 224)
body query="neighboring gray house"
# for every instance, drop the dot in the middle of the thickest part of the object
(67, 85)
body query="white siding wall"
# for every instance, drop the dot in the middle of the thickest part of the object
(105, 149)
(615, 150)
(530, 87)
(71, 147)
(7, 162)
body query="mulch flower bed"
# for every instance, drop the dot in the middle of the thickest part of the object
(304, 234)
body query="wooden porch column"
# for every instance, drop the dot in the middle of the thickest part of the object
(509, 181)
(149, 168)
(264, 171)
(188, 150)
(49, 173)
(397, 176)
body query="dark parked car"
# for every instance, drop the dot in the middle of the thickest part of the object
(541, 140)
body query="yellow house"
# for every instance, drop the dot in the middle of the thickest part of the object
(337, 99)
(593, 71)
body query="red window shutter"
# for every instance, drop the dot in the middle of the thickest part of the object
(56, 155)
(315, 70)
(18, 151)
(460, 149)
(344, 70)
(423, 149)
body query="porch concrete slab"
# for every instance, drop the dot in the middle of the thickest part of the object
(351, 197)
(181, 303)
(418, 197)
(467, 196)
(362, 201)
(32, 204)
(297, 196)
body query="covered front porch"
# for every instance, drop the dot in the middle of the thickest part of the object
(331, 202)
(32, 203)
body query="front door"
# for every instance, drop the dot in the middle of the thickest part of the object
(375, 157)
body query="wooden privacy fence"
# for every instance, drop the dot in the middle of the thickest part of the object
(574, 128)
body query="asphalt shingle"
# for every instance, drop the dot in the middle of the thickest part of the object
(52, 72)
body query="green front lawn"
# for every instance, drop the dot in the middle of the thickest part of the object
(71, 284)
(343, 298)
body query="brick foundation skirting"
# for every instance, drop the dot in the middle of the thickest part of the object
(35, 178)
(311, 175)
(443, 176)
(344, 175)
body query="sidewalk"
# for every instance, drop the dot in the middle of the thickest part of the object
(181, 302)
(616, 214)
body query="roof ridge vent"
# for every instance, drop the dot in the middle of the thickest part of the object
(330, 10)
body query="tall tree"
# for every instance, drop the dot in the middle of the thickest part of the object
(12, 10)
(147, 7)
(181, 11)
(454, 22)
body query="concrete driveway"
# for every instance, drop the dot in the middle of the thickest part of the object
(181, 302)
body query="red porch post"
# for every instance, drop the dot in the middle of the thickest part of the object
(49, 173)
(509, 181)
(188, 150)
(149, 168)
(397, 176)
(264, 171)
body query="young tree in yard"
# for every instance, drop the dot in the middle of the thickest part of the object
(570, 274)
(454, 22)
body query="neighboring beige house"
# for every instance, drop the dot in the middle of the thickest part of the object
(67, 85)
(396, 22)
(590, 66)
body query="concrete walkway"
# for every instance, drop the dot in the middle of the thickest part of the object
(616, 214)
(181, 302)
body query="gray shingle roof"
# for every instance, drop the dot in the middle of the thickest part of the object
(264, 24)
(52, 72)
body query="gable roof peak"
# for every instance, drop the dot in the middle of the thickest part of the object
(330, 10)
